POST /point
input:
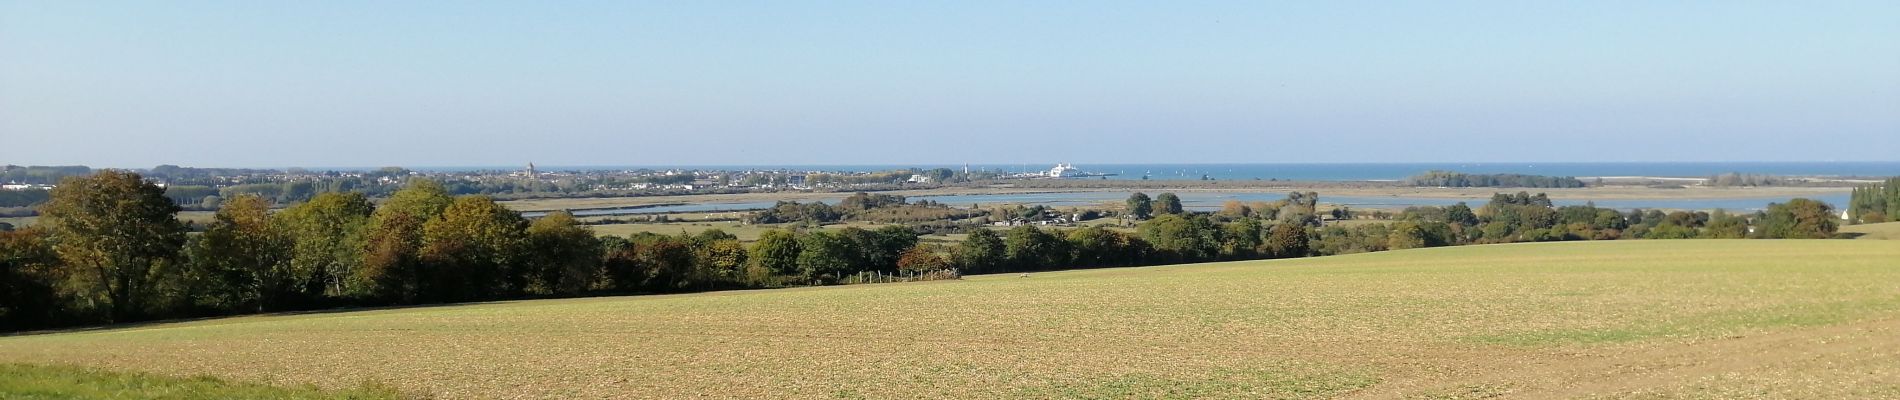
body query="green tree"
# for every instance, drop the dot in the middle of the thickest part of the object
(882, 247)
(1799, 219)
(1029, 249)
(28, 279)
(1098, 246)
(1182, 238)
(1461, 214)
(1167, 203)
(824, 256)
(774, 254)
(720, 261)
(1723, 225)
(1243, 238)
(1139, 206)
(328, 236)
(1405, 235)
(247, 259)
(981, 252)
(564, 256)
(667, 262)
(113, 230)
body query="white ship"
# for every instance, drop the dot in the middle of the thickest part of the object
(1067, 170)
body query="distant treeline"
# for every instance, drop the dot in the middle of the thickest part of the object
(860, 206)
(109, 248)
(1875, 203)
(1459, 179)
(42, 175)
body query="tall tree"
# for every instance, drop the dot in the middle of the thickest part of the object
(392, 266)
(824, 256)
(774, 254)
(922, 258)
(1167, 203)
(470, 251)
(1032, 249)
(564, 256)
(247, 259)
(720, 262)
(28, 277)
(1288, 240)
(1799, 219)
(113, 229)
(328, 241)
(1182, 238)
(981, 252)
(1140, 206)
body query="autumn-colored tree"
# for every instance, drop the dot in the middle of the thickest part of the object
(1233, 208)
(922, 258)
(112, 230)
(1286, 240)
(470, 251)
(392, 265)
(720, 262)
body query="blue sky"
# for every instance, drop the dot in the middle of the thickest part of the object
(370, 83)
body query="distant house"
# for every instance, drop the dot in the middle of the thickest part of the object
(914, 178)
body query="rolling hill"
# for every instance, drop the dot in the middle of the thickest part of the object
(1682, 318)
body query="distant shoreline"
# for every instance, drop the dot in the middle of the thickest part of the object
(1323, 188)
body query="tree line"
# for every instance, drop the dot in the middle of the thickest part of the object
(1875, 203)
(1459, 179)
(109, 248)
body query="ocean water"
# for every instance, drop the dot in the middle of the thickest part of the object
(1340, 171)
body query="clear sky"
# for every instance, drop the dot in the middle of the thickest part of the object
(414, 83)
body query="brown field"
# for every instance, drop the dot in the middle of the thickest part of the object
(1614, 319)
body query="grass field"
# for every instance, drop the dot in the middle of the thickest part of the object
(1880, 231)
(52, 382)
(1613, 319)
